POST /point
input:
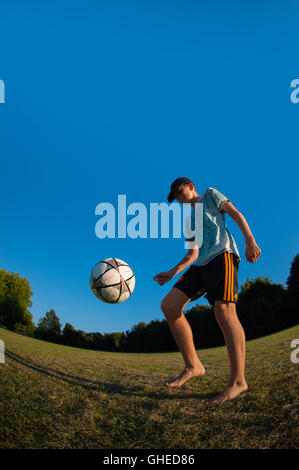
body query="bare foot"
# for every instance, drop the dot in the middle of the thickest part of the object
(229, 394)
(187, 373)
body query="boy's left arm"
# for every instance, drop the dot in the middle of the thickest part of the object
(252, 251)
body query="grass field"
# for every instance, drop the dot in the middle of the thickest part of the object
(55, 396)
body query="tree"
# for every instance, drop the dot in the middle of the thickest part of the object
(73, 337)
(15, 293)
(96, 340)
(262, 307)
(204, 326)
(49, 327)
(68, 334)
(293, 290)
(136, 338)
(117, 341)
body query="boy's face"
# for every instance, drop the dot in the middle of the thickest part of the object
(184, 194)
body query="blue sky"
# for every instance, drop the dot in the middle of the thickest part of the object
(109, 97)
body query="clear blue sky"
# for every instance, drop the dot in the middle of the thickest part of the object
(112, 97)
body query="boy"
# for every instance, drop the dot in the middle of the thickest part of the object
(215, 271)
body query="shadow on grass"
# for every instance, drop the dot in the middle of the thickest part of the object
(90, 384)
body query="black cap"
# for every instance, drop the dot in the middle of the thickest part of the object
(175, 185)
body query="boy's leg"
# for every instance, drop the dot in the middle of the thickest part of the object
(226, 316)
(172, 306)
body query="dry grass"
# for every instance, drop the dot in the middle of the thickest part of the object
(61, 397)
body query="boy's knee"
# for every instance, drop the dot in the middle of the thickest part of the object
(224, 310)
(223, 306)
(163, 305)
(170, 311)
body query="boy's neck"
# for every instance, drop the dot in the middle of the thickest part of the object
(195, 199)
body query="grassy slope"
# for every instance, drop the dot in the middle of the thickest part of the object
(55, 396)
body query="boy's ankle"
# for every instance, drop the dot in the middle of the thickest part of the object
(237, 382)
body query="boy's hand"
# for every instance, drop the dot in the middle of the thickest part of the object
(252, 251)
(164, 277)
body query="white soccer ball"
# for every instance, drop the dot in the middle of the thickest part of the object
(112, 280)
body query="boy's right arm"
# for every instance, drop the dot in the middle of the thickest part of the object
(191, 256)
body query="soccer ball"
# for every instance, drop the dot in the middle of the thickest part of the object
(112, 280)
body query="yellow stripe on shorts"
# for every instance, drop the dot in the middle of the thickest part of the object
(231, 297)
(226, 275)
(229, 277)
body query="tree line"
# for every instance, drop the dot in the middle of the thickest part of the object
(263, 308)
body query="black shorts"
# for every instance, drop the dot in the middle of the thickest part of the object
(218, 278)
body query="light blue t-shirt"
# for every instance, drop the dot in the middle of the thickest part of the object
(216, 236)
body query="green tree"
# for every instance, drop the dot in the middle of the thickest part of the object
(204, 326)
(136, 338)
(262, 307)
(68, 334)
(96, 340)
(293, 291)
(49, 327)
(73, 337)
(15, 294)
